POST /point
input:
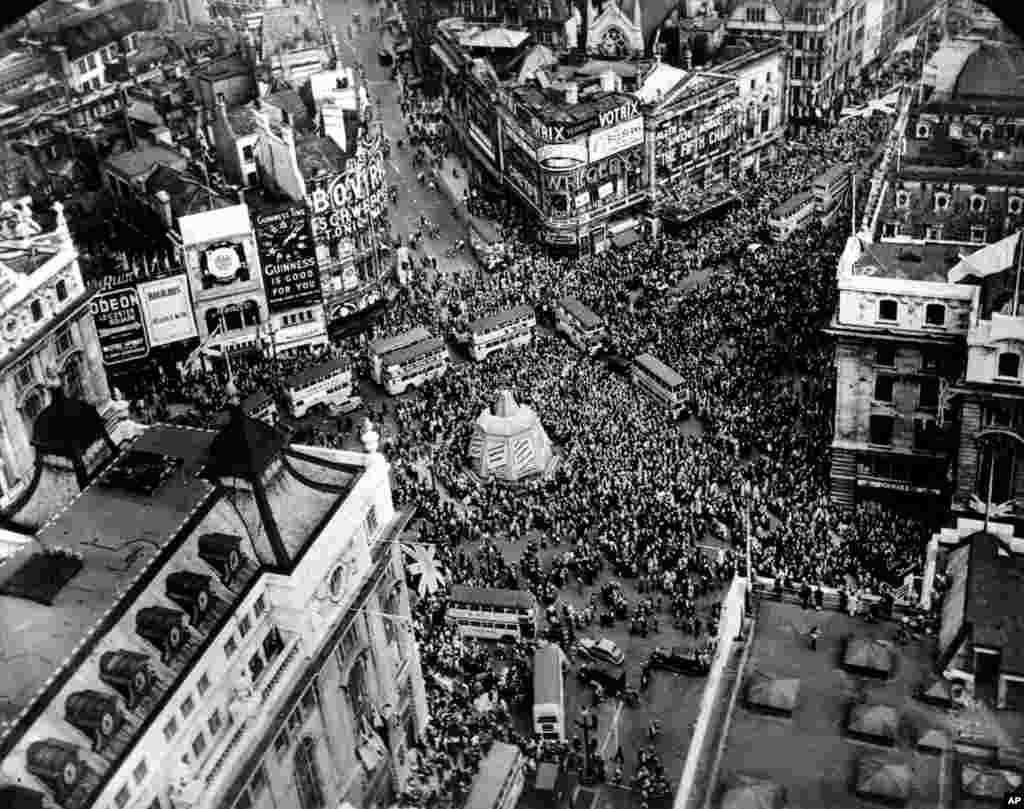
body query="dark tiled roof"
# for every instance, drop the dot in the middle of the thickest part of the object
(993, 71)
(245, 444)
(992, 606)
(188, 194)
(319, 156)
(87, 32)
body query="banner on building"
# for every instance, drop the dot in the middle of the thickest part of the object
(291, 277)
(615, 139)
(119, 325)
(167, 309)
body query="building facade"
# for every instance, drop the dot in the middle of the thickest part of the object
(46, 331)
(263, 657)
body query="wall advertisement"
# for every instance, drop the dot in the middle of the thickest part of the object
(481, 140)
(615, 139)
(291, 277)
(519, 139)
(167, 308)
(119, 325)
(522, 175)
(346, 204)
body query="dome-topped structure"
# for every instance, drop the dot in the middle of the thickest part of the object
(509, 442)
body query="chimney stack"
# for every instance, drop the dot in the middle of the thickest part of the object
(166, 213)
(572, 93)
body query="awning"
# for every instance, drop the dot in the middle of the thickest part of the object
(626, 238)
(444, 58)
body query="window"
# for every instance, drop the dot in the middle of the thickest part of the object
(888, 310)
(885, 355)
(273, 644)
(1015, 205)
(309, 699)
(251, 313)
(260, 606)
(171, 729)
(204, 684)
(986, 133)
(941, 201)
(935, 314)
(881, 430)
(188, 706)
(977, 203)
(71, 378)
(140, 772)
(755, 14)
(924, 131)
(247, 154)
(231, 646)
(902, 199)
(91, 59)
(928, 397)
(933, 233)
(256, 665)
(37, 311)
(199, 745)
(1009, 365)
(978, 234)
(64, 342)
(307, 775)
(122, 796)
(884, 387)
(62, 290)
(244, 625)
(889, 230)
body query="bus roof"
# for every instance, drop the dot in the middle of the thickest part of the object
(490, 322)
(547, 674)
(660, 369)
(491, 596)
(397, 341)
(791, 205)
(826, 178)
(306, 375)
(587, 318)
(410, 352)
(491, 777)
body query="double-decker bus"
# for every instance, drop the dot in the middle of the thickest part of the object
(584, 329)
(499, 781)
(328, 384)
(830, 188)
(501, 330)
(413, 365)
(485, 612)
(549, 692)
(260, 406)
(660, 381)
(385, 345)
(792, 215)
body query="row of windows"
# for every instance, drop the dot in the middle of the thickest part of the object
(886, 357)
(941, 201)
(37, 305)
(934, 313)
(294, 318)
(927, 434)
(928, 391)
(233, 317)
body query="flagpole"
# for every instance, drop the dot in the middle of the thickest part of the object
(991, 481)
(1016, 288)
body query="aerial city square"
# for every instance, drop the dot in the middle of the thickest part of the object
(480, 404)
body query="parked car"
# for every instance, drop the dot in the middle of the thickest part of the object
(603, 650)
(612, 681)
(681, 661)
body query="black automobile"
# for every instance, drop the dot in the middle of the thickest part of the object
(681, 661)
(612, 680)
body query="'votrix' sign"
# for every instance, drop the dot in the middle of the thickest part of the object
(628, 111)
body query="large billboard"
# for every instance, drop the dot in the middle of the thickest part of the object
(291, 277)
(119, 325)
(167, 308)
(343, 205)
(615, 139)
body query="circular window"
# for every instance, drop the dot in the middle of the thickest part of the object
(337, 580)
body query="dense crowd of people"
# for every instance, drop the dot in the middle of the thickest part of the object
(636, 491)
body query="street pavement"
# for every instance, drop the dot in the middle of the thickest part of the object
(414, 199)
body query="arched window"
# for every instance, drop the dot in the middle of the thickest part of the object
(212, 320)
(251, 313)
(233, 317)
(1001, 458)
(71, 378)
(62, 290)
(37, 311)
(358, 693)
(307, 775)
(1009, 364)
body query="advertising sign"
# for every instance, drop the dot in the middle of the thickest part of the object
(522, 175)
(119, 325)
(291, 277)
(519, 139)
(167, 308)
(616, 139)
(562, 156)
(346, 204)
(481, 140)
(224, 263)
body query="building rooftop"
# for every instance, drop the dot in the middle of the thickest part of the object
(141, 160)
(189, 195)
(234, 64)
(116, 532)
(220, 224)
(319, 156)
(995, 579)
(910, 262)
(243, 121)
(550, 107)
(290, 102)
(993, 71)
(90, 30)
